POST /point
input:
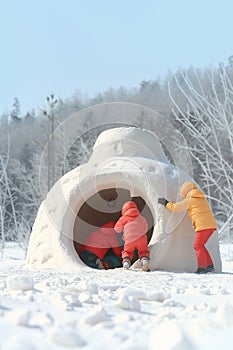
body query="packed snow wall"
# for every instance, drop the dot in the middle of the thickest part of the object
(126, 163)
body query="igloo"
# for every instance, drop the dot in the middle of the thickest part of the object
(126, 162)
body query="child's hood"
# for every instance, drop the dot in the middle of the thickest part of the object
(195, 194)
(189, 189)
(130, 209)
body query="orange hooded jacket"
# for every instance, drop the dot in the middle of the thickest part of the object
(197, 206)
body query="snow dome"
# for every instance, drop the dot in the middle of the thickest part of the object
(126, 163)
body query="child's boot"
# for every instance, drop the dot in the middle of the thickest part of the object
(145, 264)
(126, 263)
(210, 268)
(100, 264)
(202, 270)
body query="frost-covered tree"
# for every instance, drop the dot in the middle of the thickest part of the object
(207, 122)
(8, 214)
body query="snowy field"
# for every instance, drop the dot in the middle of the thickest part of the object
(114, 309)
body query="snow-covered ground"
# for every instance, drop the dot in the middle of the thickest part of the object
(114, 309)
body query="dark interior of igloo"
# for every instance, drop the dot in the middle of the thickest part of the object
(105, 206)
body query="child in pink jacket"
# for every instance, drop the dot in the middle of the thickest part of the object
(134, 227)
(98, 244)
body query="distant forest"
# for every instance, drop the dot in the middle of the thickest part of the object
(198, 102)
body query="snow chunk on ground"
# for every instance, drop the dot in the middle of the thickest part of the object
(140, 294)
(133, 292)
(18, 343)
(130, 345)
(19, 317)
(41, 319)
(90, 287)
(65, 302)
(126, 302)
(97, 315)
(65, 337)
(168, 336)
(157, 296)
(85, 297)
(224, 315)
(21, 282)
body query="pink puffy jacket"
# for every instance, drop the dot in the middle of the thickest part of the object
(100, 241)
(132, 223)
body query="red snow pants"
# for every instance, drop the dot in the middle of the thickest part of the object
(203, 256)
(140, 244)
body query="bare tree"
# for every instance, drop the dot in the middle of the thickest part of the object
(207, 122)
(19, 199)
(7, 198)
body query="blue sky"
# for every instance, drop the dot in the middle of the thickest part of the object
(61, 46)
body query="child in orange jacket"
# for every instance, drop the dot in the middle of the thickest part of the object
(135, 227)
(203, 221)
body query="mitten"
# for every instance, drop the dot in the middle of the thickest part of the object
(163, 201)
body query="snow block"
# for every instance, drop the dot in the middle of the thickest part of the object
(19, 282)
(126, 163)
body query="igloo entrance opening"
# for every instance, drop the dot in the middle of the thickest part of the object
(102, 207)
